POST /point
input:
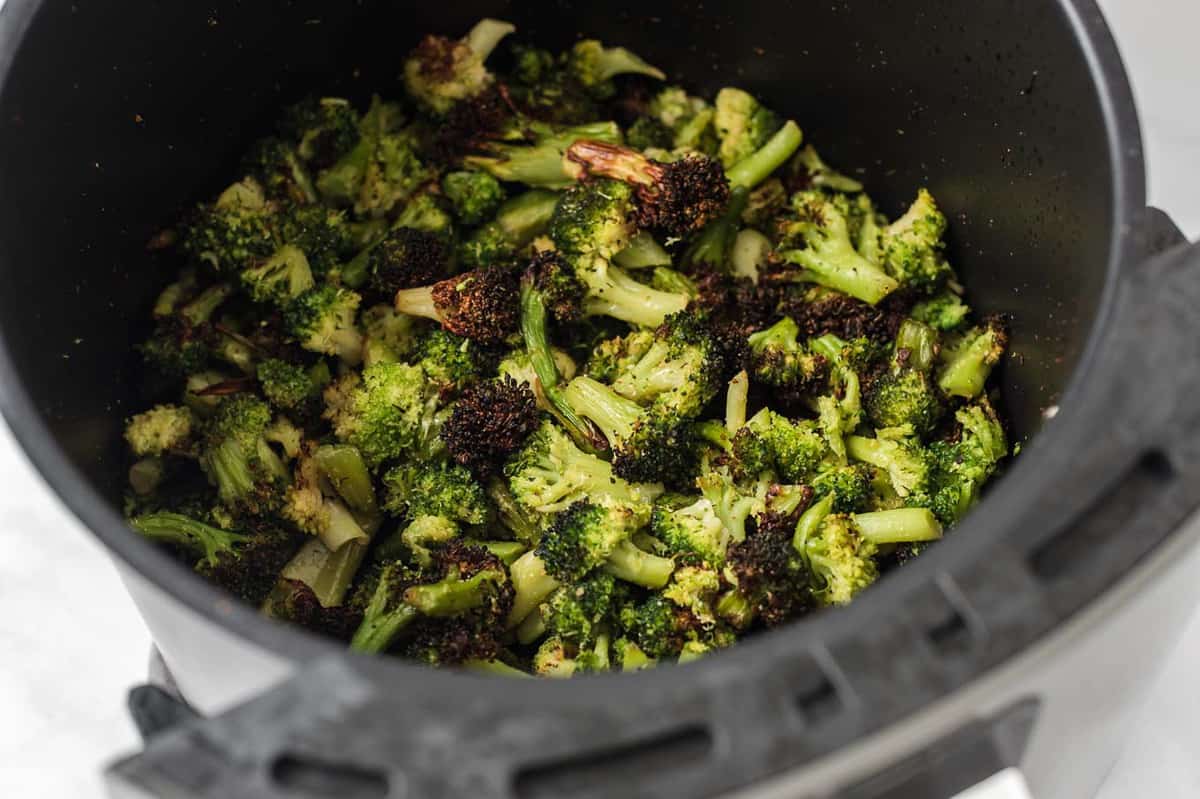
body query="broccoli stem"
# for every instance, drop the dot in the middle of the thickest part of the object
(754, 169)
(338, 572)
(898, 526)
(613, 414)
(206, 542)
(639, 567)
(642, 252)
(418, 302)
(452, 596)
(506, 551)
(510, 513)
(531, 629)
(735, 402)
(711, 248)
(486, 35)
(612, 292)
(526, 216)
(531, 584)
(810, 523)
(861, 280)
(201, 309)
(342, 528)
(496, 668)
(919, 342)
(344, 467)
(380, 627)
(966, 372)
(673, 282)
(735, 608)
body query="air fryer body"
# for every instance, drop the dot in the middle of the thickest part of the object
(1020, 123)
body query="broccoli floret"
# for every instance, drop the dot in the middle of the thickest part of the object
(481, 305)
(658, 627)
(628, 656)
(796, 449)
(945, 311)
(913, 250)
(233, 231)
(743, 124)
(733, 503)
(687, 525)
(594, 217)
(586, 537)
(323, 129)
(162, 429)
(518, 222)
(680, 372)
(905, 461)
(555, 282)
(385, 415)
(245, 563)
(469, 596)
(760, 164)
(450, 362)
(968, 360)
(322, 320)
(553, 660)
(290, 387)
(594, 66)
(550, 473)
(279, 170)
(963, 465)
(612, 357)
(808, 171)
(649, 445)
(425, 533)
(678, 198)
(279, 279)
(828, 256)
(311, 509)
(648, 133)
(533, 152)
(249, 476)
(322, 234)
(441, 72)
(475, 196)
(711, 249)
(610, 291)
(905, 394)
(490, 421)
(390, 336)
(688, 118)
(579, 613)
(437, 489)
(780, 360)
(406, 258)
(850, 487)
(772, 581)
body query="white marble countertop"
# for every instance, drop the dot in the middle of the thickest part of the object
(72, 642)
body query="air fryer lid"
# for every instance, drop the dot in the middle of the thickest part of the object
(1022, 125)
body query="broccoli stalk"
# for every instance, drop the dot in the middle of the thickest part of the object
(533, 152)
(758, 166)
(594, 64)
(710, 250)
(210, 544)
(612, 292)
(532, 584)
(968, 360)
(643, 251)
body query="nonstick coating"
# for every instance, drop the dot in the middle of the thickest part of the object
(114, 117)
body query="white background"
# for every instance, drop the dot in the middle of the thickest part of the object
(71, 642)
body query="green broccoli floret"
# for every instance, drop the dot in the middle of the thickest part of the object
(587, 536)
(628, 656)
(968, 360)
(905, 461)
(963, 465)
(277, 167)
(482, 305)
(161, 429)
(279, 279)
(245, 563)
(311, 507)
(289, 386)
(323, 321)
(710, 250)
(612, 357)
(610, 291)
(732, 502)
(658, 627)
(649, 133)
(743, 125)
(780, 360)
(679, 373)
(436, 489)
(533, 152)
(323, 129)
(441, 72)
(905, 394)
(518, 222)
(475, 196)
(795, 450)
(594, 217)
(233, 231)
(850, 487)
(594, 66)
(579, 613)
(550, 474)
(828, 256)
(249, 476)
(322, 234)
(451, 362)
(688, 118)
(913, 249)
(945, 311)
(386, 416)
(649, 445)
(687, 525)
(465, 592)
(390, 336)
(424, 534)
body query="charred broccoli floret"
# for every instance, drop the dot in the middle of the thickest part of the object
(323, 129)
(441, 71)
(406, 258)
(779, 359)
(279, 170)
(481, 305)
(490, 421)
(532, 152)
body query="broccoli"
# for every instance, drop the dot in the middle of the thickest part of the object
(406, 258)
(311, 510)
(850, 487)
(905, 394)
(481, 305)
(439, 489)
(779, 360)
(550, 473)
(471, 595)
(733, 504)
(280, 171)
(642, 252)
(913, 247)
(649, 133)
(243, 563)
(964, 464)
(688, 527)
(248, 474)
(533, 152)
(586, 537)
(490, 421)
(322, 320)
(323, 129)
(681, 370)
(658, 627)
(236, 229)
(968, 360)
(579, 613)
(595, 65)
(162, 429)
(322, 234)
(809, 172)
(440, 71)
(688, 118)
(279, 279)
(451, 362)
(760, 164)
(711, 249)
(386, 415)
(518, 222)
(594, 217)
(423, 534)
(611, 357)
(475, 196)
(743, 125)
(828, 256)
(945, 311)
(610, 291)
(772, 581)
(555, 282)
(905, 461)
(290, 387)
(648, 445)
(390, 336)
(678, 198)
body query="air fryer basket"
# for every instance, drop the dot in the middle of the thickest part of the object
(113, 118)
